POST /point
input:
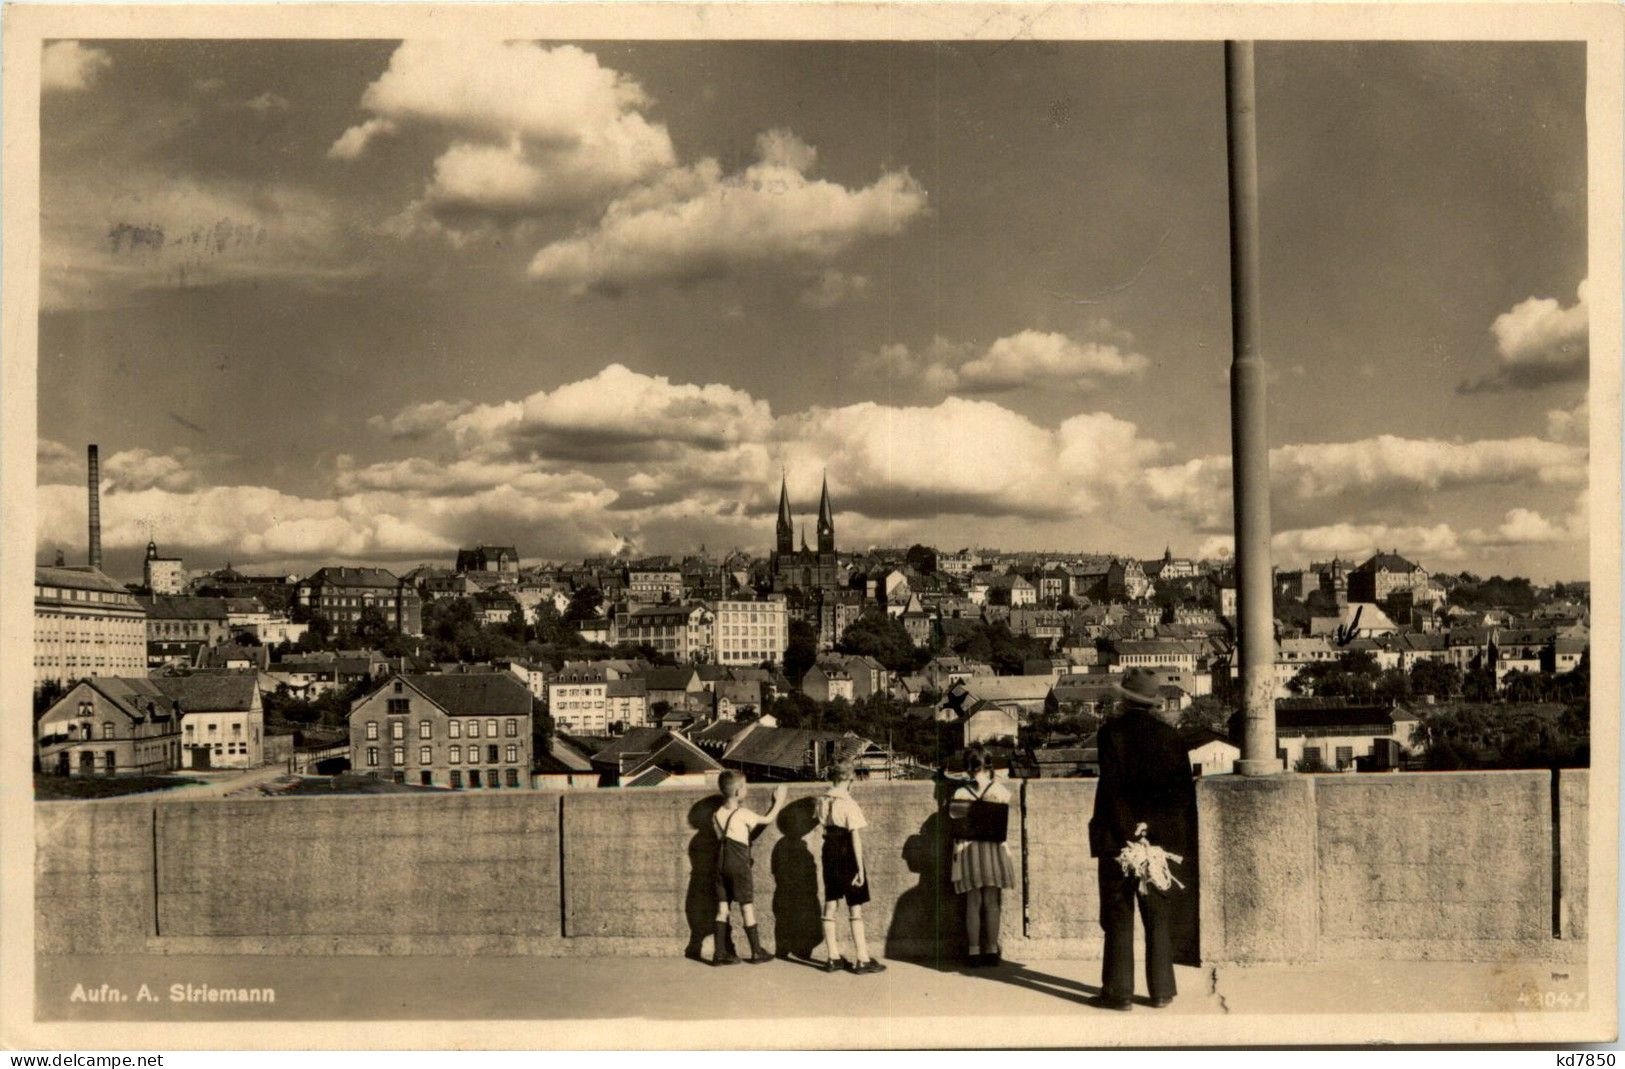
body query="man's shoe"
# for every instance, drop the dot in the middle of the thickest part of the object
(870, 966)
(759, 956)
(1161, 1001)
(1101, 1002)
(836, 965)
(725, 959)
(992, 959)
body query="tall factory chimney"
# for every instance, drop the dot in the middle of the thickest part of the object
(95, 485)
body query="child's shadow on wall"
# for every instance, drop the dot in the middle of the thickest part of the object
(700, 904)
(927, 923)
(797, 917)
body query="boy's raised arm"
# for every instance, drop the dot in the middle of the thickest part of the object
(780, 792)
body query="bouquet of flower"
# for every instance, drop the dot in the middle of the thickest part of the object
(1148, 863)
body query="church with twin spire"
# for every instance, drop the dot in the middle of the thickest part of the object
(804, 569)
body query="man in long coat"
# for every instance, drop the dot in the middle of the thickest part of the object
(1145, 778)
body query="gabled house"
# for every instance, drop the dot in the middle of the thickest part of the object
(222, 719)
(108, 726)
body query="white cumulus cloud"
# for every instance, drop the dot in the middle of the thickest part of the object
(1305, 478)
(616, 415)
(1539, 341)
(68, 66)
(1027, 358)
(697, 222)
(532, 129)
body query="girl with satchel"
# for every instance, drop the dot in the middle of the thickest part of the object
(979, 822)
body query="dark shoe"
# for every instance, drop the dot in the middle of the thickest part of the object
(870, 966)
(836, 965)
(1160, 1002)
(992, 959)
(758, 956)
(725, 959)
(1101, 1002)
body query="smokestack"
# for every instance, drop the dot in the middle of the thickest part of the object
(95, 486)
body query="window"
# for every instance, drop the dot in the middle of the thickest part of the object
(1345, 756)
(456, 754)
(399, 776)
(456, 780)
(513, 727)
(107, 729)
(491, 757)
(372, 729)
(491, 779)
(425, 730)
(473, 777)
(397, 729)
(454, 728)
(490, 729)
(513, 752)
(473, 729)
(399, 706)
(398, 687)
(425, 755)
(372, 757)
(1196, 770)
(397, 755)
(512, 777)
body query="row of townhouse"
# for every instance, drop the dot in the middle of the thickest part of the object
(111, 725)
(727, 632)
(604, 697)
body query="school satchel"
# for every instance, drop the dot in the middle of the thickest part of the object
(980, 820)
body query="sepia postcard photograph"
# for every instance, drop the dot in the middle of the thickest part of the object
(812, 526)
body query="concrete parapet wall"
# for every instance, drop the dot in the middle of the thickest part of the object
(1444, 865)
(371, 866)
(1256, 841)
(1292, 868)
(1574, 812)
(93, 878)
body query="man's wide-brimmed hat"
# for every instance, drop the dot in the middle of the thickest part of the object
(1140, 686)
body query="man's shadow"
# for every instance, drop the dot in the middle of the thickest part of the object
(797, 917)
(700, 905)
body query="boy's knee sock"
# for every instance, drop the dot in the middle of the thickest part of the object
(830, 946)
(724, 947)
(859, 942)
(755, 940)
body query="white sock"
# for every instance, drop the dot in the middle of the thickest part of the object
(860, 944)
(831, 948)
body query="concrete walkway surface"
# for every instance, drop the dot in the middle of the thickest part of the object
(676, 989)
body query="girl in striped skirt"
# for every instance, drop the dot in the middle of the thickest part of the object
(981, 868)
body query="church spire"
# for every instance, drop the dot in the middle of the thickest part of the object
(826, 521)
(784, 532)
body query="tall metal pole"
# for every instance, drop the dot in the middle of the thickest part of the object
(1249, 436)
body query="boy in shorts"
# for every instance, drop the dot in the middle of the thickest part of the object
(733, 823)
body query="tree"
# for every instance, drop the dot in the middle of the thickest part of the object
(922, 559)
(318, 633)
(371, 628)
(1393, 685)
(885, 639)
(1479, 685)
(802, 650)
(1438, 678)
(549, 627)
(1206, 712)
(584, 603)
(46, 695)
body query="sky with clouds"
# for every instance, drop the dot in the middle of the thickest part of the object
(368, 301)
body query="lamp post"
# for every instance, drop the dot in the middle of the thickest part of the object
(1249, 437)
